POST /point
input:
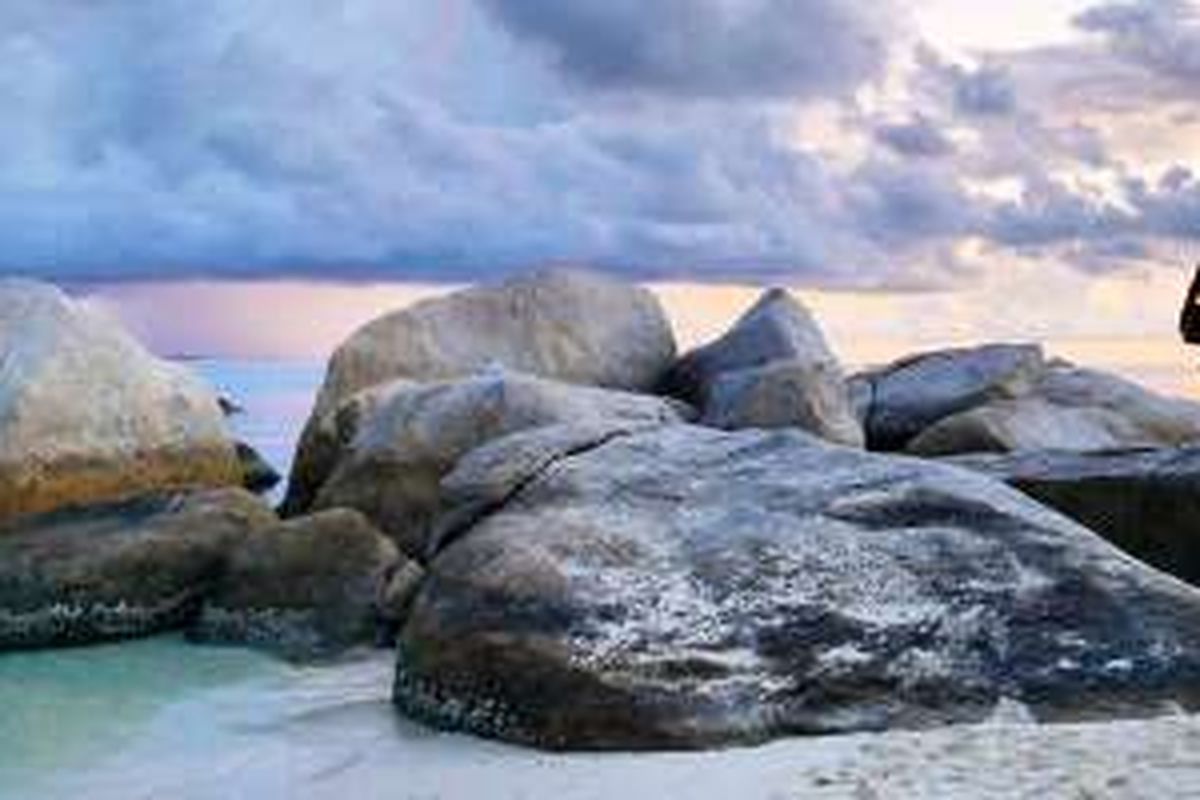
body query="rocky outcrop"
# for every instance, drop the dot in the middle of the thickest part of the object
(772, 369)
(306, 589)
(88, 415)
(257, 474)
(785, 394)
(120, 570)
(901, 400)
(567, 325)
(1068, 409)
(776, 328)
(393, 467)
(686, 587)
(1147, 502)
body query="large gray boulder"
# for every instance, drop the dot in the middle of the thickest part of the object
(392, 469)
(901, 400)
(687, 587)
(120, 570)
(776, 328)
(1147, 502)
(785, 394)
(88, 415)
(567, 325)
(1071, 409)
(306, 589)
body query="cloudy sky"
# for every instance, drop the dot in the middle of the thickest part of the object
(857, 143)
(925, 172)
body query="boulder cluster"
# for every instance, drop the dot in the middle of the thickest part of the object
(576, 537)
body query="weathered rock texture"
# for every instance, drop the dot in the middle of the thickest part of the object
(117, 571)
(392, 469)
(88, 415)
(308, 588)
(1068, 408)
(785, 394)
(772, 369)
(566, 325)
(1147, 502)
(901, 400)
(687, 587)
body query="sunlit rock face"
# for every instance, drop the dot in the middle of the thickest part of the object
(566, 325)
(305, 589)
(88, 415)
(392, 468)
(772, 369)
(119, 570)
(686, 587)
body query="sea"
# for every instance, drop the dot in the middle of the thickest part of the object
(162, 718)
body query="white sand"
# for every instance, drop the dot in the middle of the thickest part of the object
(330, 733)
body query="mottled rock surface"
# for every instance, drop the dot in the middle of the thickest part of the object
(776, 328)
(88, 415)
(1147, 502)
(393, 467)
(305, 589)
(1071, 409)
(785, 394)
(903, 399)
(117, 571)
(567, 325)
(686, 587)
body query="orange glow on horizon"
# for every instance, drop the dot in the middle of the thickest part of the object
(1124, 323)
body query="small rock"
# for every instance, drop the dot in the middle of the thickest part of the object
(776, 328)
(305, 589)
(257, 474)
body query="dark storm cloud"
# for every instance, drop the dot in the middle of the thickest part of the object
(403, 138)
(918, 137)
(708, 48)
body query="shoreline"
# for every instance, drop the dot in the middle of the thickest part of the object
(330, 732)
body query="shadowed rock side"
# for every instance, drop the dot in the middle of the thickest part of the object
(566, 325)
(1146, 502)
(899, 401)
(687, 587)
(306, 589)
(257, 474)
(392, 469)
(88, 415)
(117, 571)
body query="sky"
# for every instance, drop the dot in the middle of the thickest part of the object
(858, 146)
